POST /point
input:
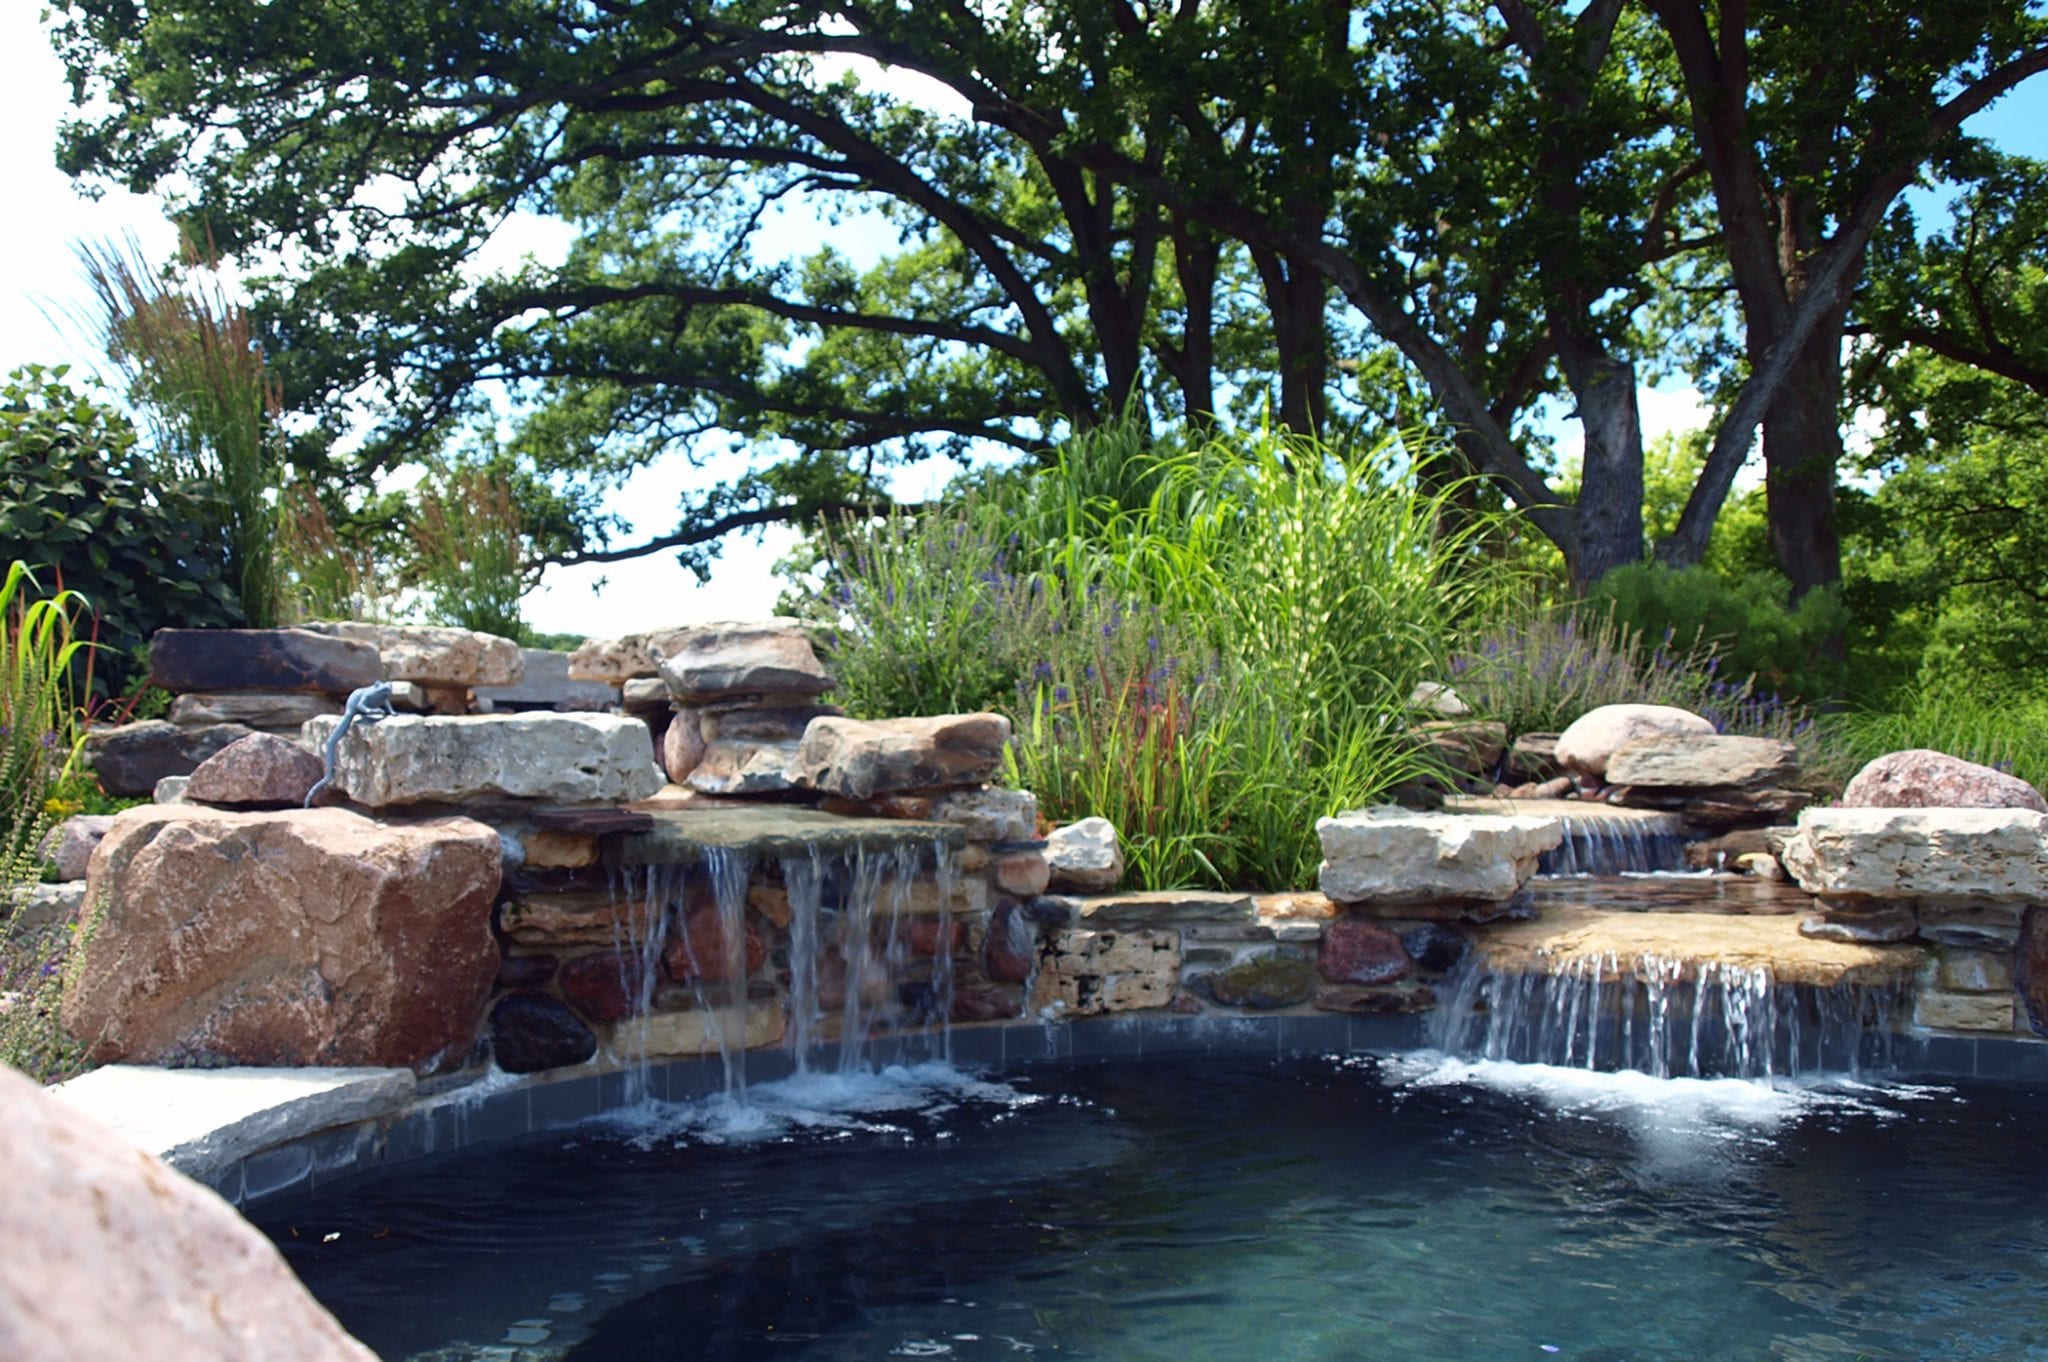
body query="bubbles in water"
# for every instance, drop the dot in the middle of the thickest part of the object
(899, 1100)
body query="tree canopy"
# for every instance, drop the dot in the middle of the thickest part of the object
(1173, 210)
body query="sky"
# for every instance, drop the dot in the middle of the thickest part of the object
(43, 292)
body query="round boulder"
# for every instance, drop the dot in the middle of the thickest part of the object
(1586, 744)
(1924, 779)
(261, 770)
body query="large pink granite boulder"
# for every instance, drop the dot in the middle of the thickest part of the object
(303, 937)
(1924, 779)
(110, 1254)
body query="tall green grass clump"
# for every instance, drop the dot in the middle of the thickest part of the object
(194, 366)
(1208, 645)
(2008, 732)
(39, 743)
(470, 550)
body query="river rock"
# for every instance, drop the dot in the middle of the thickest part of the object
(1923, 779)
(1434, 947)
(1532, 759)
(1085, 857)
(554, 758)
(107, 1247)
(526, 973)
(682, 745)
(1358, 951)
(69, 846)
(131, 759)
(1590, 740)
(2030, 969)
(1867, 929)
(1988, 855)
(781, 718)
(1696, 760)
(989, 815)
(531, 1032)
(1270, 979)
(1434, 697)
(261, 769)
(305, 937)
(701, 954)
(433, 655)
(1394, 855)
(182, 660)
(265, 711)
(858, 759)
(606, 987)
(1471, 746)
(1011, 948)
(738, 766)
(749, 658)
(1026, 874)
(544, 683)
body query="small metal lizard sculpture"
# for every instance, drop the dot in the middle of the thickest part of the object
(368, 704)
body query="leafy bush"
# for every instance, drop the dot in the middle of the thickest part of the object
(81, 506)
(1747, 622)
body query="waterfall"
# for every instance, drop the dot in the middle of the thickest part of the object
(1615, 846)
(1661, 1016)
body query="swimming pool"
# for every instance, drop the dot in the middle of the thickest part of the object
(1333, 1208)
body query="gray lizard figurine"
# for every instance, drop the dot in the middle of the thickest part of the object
(368, 704)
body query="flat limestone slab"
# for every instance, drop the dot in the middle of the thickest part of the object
(1983, 855)
(1581, 812)
(771, 832)
(451, 759)
(1168, 908)
(1392, 855)
(1625, 943)
(200, 1121)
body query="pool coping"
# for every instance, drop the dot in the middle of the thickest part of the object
(268, 1141)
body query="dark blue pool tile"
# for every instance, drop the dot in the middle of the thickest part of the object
(410, 1137)
(276, 1170)
(1386, 1033)
(690, 1079)
(2012, 1059)
(1096, 1038)
(977, 1046)
(1934, 1056)
(228, 1183)
(344, 1151)
(500, 1116)
(1174, 1035)
(1037, 1043)
(770, 1065)
(565, 1102)
(1321, 1034)
(1249, 1035)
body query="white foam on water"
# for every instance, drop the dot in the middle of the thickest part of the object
(822, 1105)
(1674, 1120)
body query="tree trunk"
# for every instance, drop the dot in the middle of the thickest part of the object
(1609, 530)
(1802, 450)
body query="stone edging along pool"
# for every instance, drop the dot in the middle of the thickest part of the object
(256, 1134)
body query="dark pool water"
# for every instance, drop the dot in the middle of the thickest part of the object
(1318, 1209)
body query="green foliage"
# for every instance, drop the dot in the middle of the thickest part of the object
(469, 551)
(195, 368)
(1747, 623)
(1543, 668)
(1206, 645)
(39, 742)
(2004, 731)
(79, 503)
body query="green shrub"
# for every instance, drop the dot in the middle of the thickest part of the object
(1747, 622)
(80, 505)
(469, 550)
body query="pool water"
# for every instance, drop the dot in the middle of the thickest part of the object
(1417, 1208)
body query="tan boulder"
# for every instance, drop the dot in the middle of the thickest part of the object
(857, 759)
(302, 937)
(757, 657)
(1589, 740)
(433, 655)
(110, 1253)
